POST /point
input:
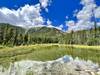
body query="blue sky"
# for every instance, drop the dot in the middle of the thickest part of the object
(59, 11)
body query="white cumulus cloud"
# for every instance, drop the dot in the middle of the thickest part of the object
(97, 12)
(84, 16)
(45, 3)
(24, 16)
(27, 16)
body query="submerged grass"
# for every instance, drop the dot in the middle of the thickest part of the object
(44, 52)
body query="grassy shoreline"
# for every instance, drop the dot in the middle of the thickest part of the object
(45, 52)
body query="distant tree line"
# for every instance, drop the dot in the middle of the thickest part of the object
(84, 37)
(12, 36)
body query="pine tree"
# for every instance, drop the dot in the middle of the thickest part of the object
(1, 35)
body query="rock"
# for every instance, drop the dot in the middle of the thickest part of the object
(64, 59)
(63, 66)
(98, 73)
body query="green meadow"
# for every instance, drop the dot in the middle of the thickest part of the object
(45, 52)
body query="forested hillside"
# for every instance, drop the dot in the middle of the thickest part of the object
(12, 35)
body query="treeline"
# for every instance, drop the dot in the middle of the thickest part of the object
(84, 37)
(12, 35)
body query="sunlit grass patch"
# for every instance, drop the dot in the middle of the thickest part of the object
(88, 47)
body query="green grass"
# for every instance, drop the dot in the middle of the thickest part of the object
(44, 52)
